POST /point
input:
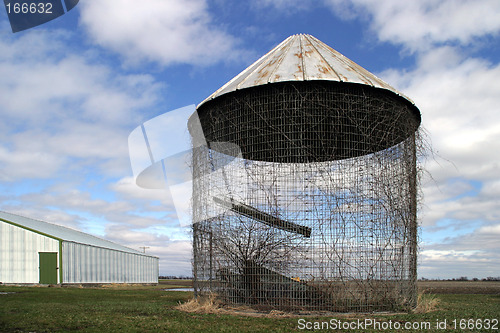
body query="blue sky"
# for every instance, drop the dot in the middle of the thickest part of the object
(72, 90)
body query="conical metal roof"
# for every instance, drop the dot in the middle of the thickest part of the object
(302, 58)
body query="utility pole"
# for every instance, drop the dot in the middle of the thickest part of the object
(144, 248)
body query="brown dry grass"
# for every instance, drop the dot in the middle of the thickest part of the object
(210, 304)
(427, 300)
(207, 304)
(426, 303)
(121, 285)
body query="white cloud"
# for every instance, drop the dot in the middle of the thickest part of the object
(122, 234)
(39, 212)
(27, 164)
(162, 31)
(77, 200)
(128, 189)
(475, 254)
(175, 258)
(175, 255)
(61, 111)
(66, 116)
(80, 209)
(459, 99)
(287, 6)
(418, 24)
(446, 264)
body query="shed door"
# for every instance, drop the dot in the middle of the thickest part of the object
(48, 267)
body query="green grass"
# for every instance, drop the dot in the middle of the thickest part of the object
(149, 309)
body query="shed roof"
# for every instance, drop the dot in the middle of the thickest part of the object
(62, 233)
(302, 58)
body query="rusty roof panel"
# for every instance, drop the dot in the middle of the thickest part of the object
(290, 68)
(264, 73)
(347, 69)
(302, 58)
(315, 64)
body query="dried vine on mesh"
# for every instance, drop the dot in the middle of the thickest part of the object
(319, 210)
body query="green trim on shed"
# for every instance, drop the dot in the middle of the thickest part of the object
(60, 261)
(32, 230)
(46, 235)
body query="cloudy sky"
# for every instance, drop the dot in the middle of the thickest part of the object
(72, 90)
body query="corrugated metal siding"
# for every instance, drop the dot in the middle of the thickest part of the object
(88, 264)
(19, 250)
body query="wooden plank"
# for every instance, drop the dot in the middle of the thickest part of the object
(265, 218)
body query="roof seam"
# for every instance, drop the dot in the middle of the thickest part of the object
(322, 57)
(304, 76)
(288, 45)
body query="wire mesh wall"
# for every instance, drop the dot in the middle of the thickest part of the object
(318, 209)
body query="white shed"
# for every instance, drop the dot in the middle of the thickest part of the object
(33, 251)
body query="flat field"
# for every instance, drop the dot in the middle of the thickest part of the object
(119, 308)
(460, 287)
